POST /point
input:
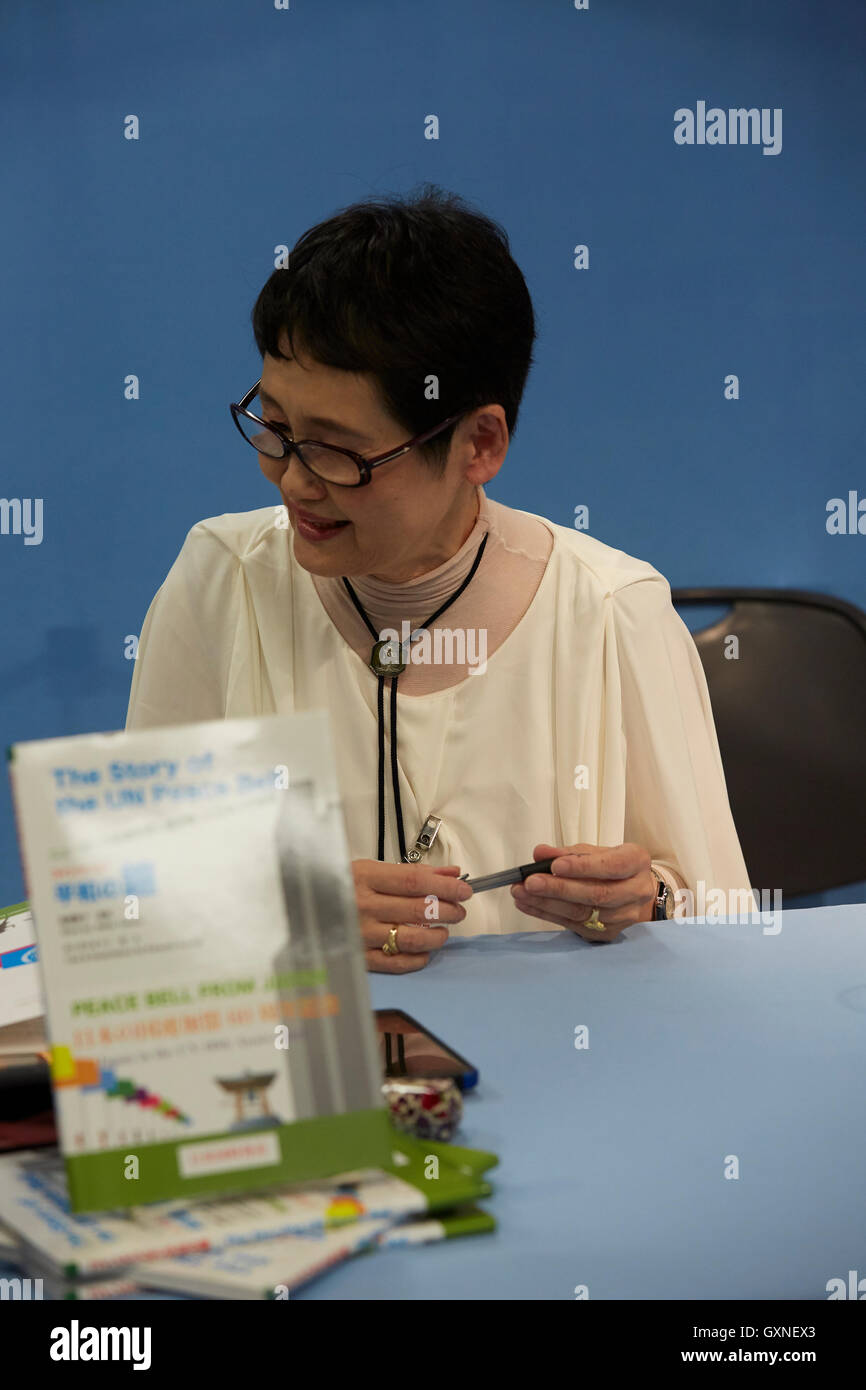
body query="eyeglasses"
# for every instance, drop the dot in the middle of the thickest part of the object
(341, 466)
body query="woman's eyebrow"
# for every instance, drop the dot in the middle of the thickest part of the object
(322, 421)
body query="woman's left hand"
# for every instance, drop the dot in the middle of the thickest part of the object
(615, 879)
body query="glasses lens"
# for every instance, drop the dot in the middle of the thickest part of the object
(329, 464)
(264, 440)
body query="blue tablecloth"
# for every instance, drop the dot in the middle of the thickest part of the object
(706, 1044)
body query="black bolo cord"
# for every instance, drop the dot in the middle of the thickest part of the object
(380, 704)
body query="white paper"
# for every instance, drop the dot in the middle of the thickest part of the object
(20, 984)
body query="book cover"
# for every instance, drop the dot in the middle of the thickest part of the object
(275, 1268)
(271, 1269)
(20, 988)
(449, 1225)
(55, 1287)
(207, 1004)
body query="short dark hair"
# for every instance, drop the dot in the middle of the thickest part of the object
(404, 288)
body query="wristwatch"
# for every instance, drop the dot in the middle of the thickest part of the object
(663, 910)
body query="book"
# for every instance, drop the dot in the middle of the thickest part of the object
(9, 1245)
(449, 1225)
(270, 1269)
(55, 1286)
(273, 1268)
(34, 1206)
(207, 1004)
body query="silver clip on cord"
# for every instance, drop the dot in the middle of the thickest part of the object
(426, 835)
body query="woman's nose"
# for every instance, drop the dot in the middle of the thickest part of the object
(296, 478)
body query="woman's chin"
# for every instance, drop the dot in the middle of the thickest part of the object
(319, 558)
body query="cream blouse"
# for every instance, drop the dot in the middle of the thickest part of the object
(590, 724)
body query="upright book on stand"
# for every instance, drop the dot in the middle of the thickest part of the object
(207, 1003)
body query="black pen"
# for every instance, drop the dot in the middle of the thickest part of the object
(481, 885)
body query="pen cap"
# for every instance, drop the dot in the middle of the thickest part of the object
(541, 866)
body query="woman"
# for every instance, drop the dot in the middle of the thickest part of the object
(549, 702)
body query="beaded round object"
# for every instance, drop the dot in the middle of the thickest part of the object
(427, 1108)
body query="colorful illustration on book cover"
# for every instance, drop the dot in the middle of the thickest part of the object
(251, 1103)
(345, 1206)
(96, 1083)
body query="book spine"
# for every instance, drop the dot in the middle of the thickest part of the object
(91, 1265)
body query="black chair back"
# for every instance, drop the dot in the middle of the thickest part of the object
(790, 713)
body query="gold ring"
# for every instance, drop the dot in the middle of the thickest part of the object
(390, 946)
(593, 923)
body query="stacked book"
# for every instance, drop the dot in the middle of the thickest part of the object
(262, 1245)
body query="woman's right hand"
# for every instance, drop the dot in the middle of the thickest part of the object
(399, 895)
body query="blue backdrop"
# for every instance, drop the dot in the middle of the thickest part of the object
(257, 119)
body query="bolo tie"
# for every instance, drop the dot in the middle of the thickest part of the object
(384, 668)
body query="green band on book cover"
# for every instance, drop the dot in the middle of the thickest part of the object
(468, 1160)
(14, 909)
(442, 1173)
(310, 1149)
(470, 1221)
(316, 1148)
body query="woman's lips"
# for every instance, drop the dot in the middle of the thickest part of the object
(316, 530)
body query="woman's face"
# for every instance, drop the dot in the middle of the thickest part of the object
(408, 519)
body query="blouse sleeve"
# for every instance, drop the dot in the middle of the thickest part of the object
(676, 798)
(185, 646)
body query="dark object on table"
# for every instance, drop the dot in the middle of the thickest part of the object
(26, 1111)
(412, 1051)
